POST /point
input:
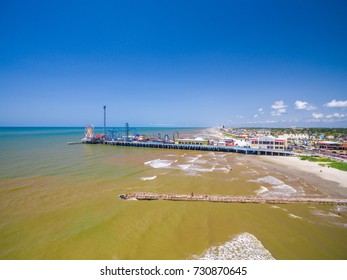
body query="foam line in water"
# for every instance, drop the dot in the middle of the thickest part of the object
(184, 166)
(270, 180)
(148, 178)
(159, 163)
(222, 169)
(191, 159)
(278, 187)
(200, 168)
(322, 213)
(262, 190)
(294, 216)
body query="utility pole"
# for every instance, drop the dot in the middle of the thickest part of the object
(105, 119)
(127, 131)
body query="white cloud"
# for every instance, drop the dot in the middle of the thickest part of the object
(317, 116)
(278, 112)
(303, 105)
(270, 121)
(259, 112)
(335, 103)
(278, 105)
(332, 118)
(336, 116)
(280, 108)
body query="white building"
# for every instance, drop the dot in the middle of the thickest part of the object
(269, 143)
(297, 136)
(242, 143)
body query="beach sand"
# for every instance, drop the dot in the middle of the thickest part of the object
(329, 181)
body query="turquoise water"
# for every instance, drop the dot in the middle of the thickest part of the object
(31, 151)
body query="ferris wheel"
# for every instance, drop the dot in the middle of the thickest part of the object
(89, 131)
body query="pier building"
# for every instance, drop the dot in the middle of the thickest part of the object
(196, 141)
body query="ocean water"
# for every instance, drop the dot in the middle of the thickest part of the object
(60, 201)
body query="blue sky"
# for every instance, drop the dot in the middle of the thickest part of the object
(173, 63)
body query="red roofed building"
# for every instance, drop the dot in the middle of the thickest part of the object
(330, 145)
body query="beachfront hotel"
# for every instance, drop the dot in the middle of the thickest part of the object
(269, 143)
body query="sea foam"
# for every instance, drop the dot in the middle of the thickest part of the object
(262, 190)
(199, 168)
(221, 169)
(294, 216)
(244, 246)
(159, 163)
(278, 187)
(184, 166)
(322, 213)
(148, 178)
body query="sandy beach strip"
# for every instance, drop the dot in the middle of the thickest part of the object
(329, 180)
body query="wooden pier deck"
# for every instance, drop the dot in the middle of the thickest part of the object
(232, 149)
(160, 145)
(231, 199)
(75, 143)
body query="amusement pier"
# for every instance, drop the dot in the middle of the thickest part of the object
(260, 142)
(194, 147)
(231, 199)
(127, 137)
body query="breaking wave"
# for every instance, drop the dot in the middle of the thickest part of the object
(294, 216)
(191, 165)
(148, 178)
(184, 166)
(191, 159)
(200, 168)
(261, 190)
(222, 169)
(322, 213)
(270, 180)
(159, 163)
(278, 187)
(244, 246)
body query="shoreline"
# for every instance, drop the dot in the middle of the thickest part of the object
(330, 181)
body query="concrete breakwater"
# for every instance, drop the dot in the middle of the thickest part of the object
(230, 199)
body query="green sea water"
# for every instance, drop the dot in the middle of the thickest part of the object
(60, 201)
